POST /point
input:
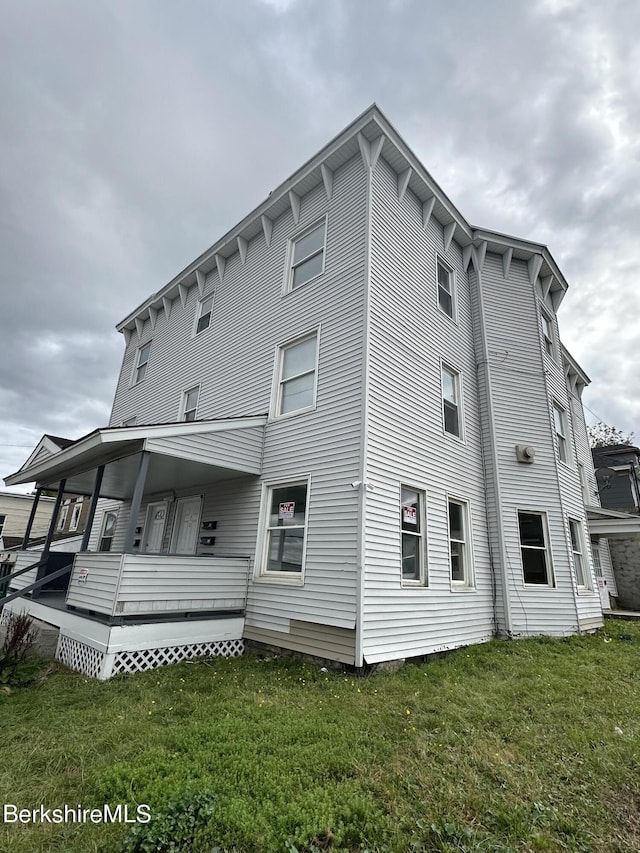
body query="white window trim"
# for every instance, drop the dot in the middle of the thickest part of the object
(545, 315)
(75, 514)
(423, 580)
(586, 567)
(261, 575)
(445, 365)
(287, 284)
(453, 280)
(564, 422)
(137, 365)
(194, 332)
(469, 582)
(276, 389)
(183, 401)
(103, 524)
(64, 512)
(551, 583)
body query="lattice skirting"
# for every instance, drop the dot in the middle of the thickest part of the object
(97, 664)
(79, 656)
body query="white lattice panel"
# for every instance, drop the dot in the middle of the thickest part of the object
(139, 661)
(79, 656)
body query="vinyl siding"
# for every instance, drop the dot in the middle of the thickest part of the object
(308, 638)
(409, 338)
(98, 591)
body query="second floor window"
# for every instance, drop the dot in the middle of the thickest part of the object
(75, 515)
(297, 375)
(64, 512)
(190, 404)
(141, 363)
(451, 401)
(204, 314)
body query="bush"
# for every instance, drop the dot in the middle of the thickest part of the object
(17, 644)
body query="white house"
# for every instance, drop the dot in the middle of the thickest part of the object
(348, 428)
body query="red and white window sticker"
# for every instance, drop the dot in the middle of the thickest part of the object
(409, 514)
(286, 510)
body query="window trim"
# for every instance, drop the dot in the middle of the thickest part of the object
(261, 573)
(287, 285)
(199, 315)
(560, 439)
(468, 583)
(423, 576)
(103, 525)
(457, 376)
(64, 512)
(549, 343)
(551, 582)
(453, 282)
(76, 512)
(137, 365)
(276, 390)
(585, 585)
(183, 403)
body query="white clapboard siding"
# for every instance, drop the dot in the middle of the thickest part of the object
(94, 582)
(409, 336)
(24, 559)
(607, 567)
(240, 449)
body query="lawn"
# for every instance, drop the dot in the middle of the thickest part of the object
(511, 746)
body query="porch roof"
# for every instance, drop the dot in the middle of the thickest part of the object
(612, 525)
(182, 455)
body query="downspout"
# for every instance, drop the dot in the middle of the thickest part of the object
(484, 378)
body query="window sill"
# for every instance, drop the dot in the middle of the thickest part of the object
(410, 584)
(458, 438)
(460, 586)
(280, 579)
(287, 415)
(540, 586)
(291, 289)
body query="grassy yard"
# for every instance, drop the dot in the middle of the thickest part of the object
(512, 746)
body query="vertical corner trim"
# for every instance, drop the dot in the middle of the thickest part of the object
(183, 290)
(327, 178)
(267, 227)
(506, 262)
(166, 304)
(221, 263)
(294, 201)
(427, 210)
(139, 326)
(403, 183)
(448, 232)
(243, 245)
(533, 265)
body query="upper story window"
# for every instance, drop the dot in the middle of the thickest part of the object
(75, 514)
(536, 562)
(141, 362)
(451, 401)
(190, 404)
(297, 369)
(459, 550)
(411, 526)
(307, 256)
(577, 550)
(547, 333)
(286, 529)
(560, 427)
(205, 307)
(3, 518)
(64, 512)
(446, 288)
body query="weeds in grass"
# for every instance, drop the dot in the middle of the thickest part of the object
(18, 642)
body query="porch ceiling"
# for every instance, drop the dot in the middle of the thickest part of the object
(183, 455)
(613, 525)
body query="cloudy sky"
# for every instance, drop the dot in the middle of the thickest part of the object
(134, 133)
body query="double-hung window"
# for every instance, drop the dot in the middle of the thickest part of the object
(577, 550)
(547, 333)
(205, 307)
(64, 512)
(75, 514)
(534, 548)
(459, 550)
(560, 427)
(307, 256)
(297, 369)
(446, 288)
(3, 518)
(286, 528)
(108, 529)
(412, 531)
(190, 404)
(451, 401)
(141, 362)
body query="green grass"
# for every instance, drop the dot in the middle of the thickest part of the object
(511, 746)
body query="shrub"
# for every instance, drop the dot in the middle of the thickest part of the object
(17, 644)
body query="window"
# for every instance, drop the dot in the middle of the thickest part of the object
(451, 401)
(64, 511)
(297, 376)
(108, 529)
(286, 529)
(586, 496)
(536, 564)
(3, 518)
(445, 288)
(307, 256)
(190, 404)
(560, 426)
(75, 514)
(597, 562)
(577, 550)
(411, 526)
(204, 315)
(459, 551)
(141, 364)
(547, 333)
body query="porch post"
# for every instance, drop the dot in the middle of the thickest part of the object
(136, 501)
(32, 516)
(47, 542)
(92, 508)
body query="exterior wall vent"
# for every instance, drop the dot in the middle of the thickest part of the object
(525, 453)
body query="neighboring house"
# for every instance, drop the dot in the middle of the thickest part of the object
(15, 509)
(618, 472)
(348, 429)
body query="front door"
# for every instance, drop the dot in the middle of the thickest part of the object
(187, 526)
(154, 528)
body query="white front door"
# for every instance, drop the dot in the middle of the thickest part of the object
(154, 528)
(187, 526)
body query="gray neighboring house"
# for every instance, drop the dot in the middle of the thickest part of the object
(618, 471)
(349, 428)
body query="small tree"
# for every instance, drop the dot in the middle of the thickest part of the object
(603, 435)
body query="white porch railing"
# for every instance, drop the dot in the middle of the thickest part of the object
(149, 584)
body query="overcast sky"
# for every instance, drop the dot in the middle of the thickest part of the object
(134, 134)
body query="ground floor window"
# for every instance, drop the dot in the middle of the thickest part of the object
(577, 550)
(536, 562)
(412, 531)
(108, 529)
(286, 528)
(459, 550)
